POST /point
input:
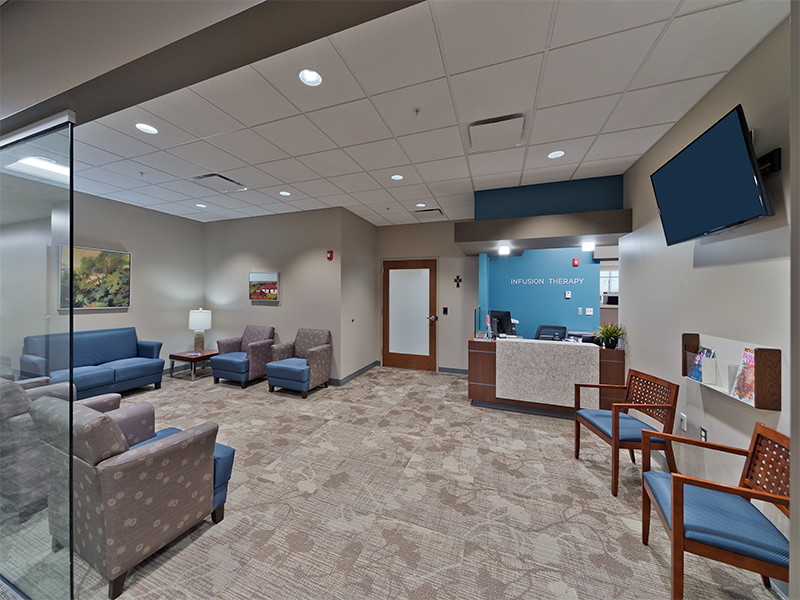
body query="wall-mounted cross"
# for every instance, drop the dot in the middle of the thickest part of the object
(457, 281)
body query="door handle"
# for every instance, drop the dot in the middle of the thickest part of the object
(433, 318)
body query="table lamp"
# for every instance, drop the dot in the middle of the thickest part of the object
(199, 321)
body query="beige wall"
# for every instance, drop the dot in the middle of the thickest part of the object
(734, 285)
(435, 240)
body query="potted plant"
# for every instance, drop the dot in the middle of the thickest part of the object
(609, 334)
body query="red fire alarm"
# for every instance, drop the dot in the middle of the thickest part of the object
(330, 255)
(576, 262)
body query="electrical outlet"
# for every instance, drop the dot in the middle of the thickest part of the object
(580, 310)
(589, 311)
(703, 434)
(683, 422)
(567, 294)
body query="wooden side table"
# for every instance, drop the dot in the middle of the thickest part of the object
(190, 357)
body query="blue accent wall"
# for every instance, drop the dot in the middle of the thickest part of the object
(560, 197)
(533, 286)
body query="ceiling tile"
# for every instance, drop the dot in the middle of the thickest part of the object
(378, 155)
(340, 200)
(255, 211)
(308, 204)
(394, 51)
(253, 197)
(188, 188)
(252, 177)
(460, 213)
(440, 170)
(432, 98)
(338, 84)
(502, 161)
(207, 156)
(583, 70)
(289, 170)
(401, 218)
(573, 150)
(246, 96)
(390, 208)
(318, 187)
(296, 135)
(373, 197)
(248, 146)
(384, 176)
(498, 90)
(169, 163)
(190, 112)
(433, 145)
(453, 201)
(429, 216)
(548, 175)
(375, 219)
(695, 5)
(411, 205)
(281, 208)
(626, 143)
(603, 168)
(659, 104)
(360, 210)
(451, 188)
(579, 20)
(330, 163)
(490, 182)
(139, 171)
(90, 186)
(168, 134)
(352, 123)
(579, 119)
(109, 177)
(100, 136)
(357, 182)
(163, 194)
(172, 208)
(226, 201)
(685, 52)
(275, 192)
(131, 197)
(410, 192)
(93, 156)
(477, 34)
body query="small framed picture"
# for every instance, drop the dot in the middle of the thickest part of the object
(264, 286)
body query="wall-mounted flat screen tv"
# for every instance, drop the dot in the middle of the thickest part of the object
(712, 184)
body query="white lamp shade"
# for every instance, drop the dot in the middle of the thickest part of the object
(199, 319)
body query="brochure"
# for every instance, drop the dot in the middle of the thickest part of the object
(696, 371)
(745, 382)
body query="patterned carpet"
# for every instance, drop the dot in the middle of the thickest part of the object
(395, 487)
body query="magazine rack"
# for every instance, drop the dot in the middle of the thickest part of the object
(767, 394)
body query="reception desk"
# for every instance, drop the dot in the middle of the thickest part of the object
(537, 373)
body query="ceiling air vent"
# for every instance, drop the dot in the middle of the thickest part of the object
(218, 183)
(496, 133)
(429, 214)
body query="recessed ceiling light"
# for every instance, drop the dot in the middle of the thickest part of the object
(201, 206)
(144, 127)
(310, 77)
(420, 205)
(397, 177)
(587, 246)
(285, 193)
(556, 154)
(504, 250)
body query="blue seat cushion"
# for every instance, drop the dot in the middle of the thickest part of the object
(630, 428)
(133, 368)
(290, 369)
(85, 378)
(721, 520)
(234, 362)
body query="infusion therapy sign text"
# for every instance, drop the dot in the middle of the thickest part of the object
(550, 280)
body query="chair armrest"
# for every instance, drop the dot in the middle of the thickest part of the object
(258, 355)
(669, 437)
(681, 480)
(319, 361)
(148, 349)
(578, 386)
(102, 403)
(61, 390)
(229, 345)
(34, 366)
(27, 384)
(137, 422)
(282, 350)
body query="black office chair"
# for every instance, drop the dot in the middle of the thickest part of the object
(551, 332)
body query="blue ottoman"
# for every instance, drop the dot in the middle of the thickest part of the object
(290, 373)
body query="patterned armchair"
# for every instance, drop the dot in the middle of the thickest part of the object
(303, 364)
(129, 501)
(23, 469)
(244, 358)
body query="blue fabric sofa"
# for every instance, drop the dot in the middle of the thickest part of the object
(104, 360)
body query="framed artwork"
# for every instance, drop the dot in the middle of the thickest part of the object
(102, 278)
(264, 286)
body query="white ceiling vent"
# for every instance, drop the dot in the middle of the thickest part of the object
(496, 133)
(219, 183)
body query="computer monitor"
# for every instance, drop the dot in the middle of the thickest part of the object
(503, 318)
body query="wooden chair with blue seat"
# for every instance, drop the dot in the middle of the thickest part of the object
(650, 395)
(718, 521)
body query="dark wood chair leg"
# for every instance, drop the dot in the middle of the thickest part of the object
(767, 582)
(614, 469)
(115, 586)
(577, 438)
(216, 379)
(272, 388)
(645, 516)
(326, 384)
(633, 456)
(305, 394)
(677, 569)
(218, 515)
(158, 385)
(244, 384)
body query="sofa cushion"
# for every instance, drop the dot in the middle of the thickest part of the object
(85, 378)
(722, 520)
(104, 345)
(292, 369)
(133, 368)
(234, 362)
(630, 428)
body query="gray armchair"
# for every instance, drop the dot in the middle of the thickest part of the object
(244, 358)
(23, 469)
(303, 364)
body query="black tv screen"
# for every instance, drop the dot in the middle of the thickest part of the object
(712, 184)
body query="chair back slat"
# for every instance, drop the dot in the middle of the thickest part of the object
(647, 389)
(767, 467)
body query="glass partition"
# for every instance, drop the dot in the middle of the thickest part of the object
(35, 222)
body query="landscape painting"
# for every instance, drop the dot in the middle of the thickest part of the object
(102, 278)
(264, 286)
